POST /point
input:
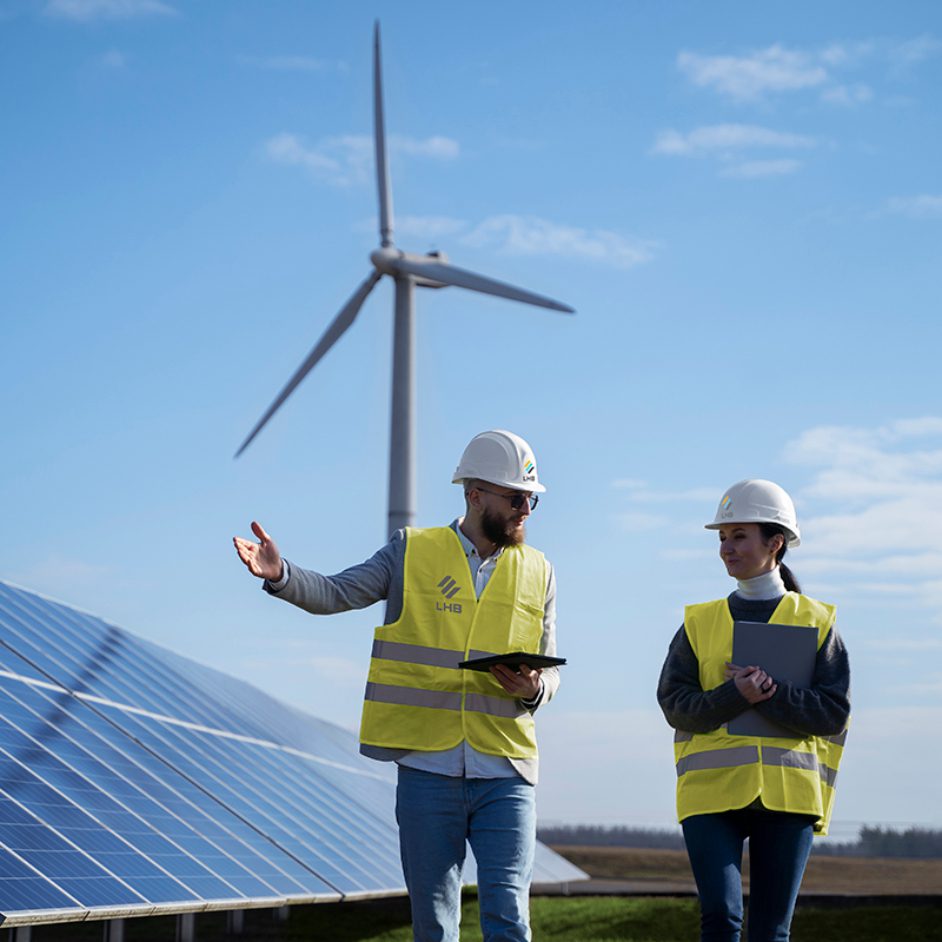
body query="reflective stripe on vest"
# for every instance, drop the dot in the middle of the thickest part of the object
(719, 772)
(417, 697)
(718, 759)
(416, 654)
(747, 755)
(438, 700)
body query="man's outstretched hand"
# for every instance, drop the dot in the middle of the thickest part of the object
(262, 559)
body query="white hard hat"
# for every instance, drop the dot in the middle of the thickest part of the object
(757, 501)
(499, 457)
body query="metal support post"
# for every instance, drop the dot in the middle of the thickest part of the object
(186, 927)
(113, 931)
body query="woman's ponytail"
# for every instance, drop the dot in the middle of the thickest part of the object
(769, 530)
(788, 577)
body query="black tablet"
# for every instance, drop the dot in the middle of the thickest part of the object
(512, 660)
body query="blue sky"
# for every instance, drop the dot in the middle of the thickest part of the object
(741, 201)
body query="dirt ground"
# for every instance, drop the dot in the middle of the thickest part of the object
(865, 876)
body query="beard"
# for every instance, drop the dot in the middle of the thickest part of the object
(500, 531)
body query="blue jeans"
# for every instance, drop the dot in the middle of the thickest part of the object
(779, 845)
(437, 814)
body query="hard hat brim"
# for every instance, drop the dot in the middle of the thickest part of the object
(793, 538)
(533, 487)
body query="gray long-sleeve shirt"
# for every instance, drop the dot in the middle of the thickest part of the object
(819, 710)
(381, 577)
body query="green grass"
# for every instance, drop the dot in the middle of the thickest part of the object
(554, 919)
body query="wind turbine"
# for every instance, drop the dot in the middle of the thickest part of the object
(407, 271)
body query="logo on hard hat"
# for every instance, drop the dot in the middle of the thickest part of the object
(528, 467)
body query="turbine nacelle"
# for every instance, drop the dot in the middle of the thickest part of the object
(388, 261)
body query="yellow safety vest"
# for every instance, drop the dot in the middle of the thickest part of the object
(720, 772)
(416, 696)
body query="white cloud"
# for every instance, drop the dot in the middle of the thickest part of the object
(848, 95)
(846, 54)
(726, 139)
(527, 235)
(750, 77)
(913, 51)
(756, 169)
(530, 235)
(872, 462)
(912, 428)
(349, 167)
(727, 143)
(880, 490)
(870, 511)
(441, 148)
(347, 160)
(85, 10)
(902, 564)
(776, 70)
(924, 206)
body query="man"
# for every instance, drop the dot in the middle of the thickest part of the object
(464, 740)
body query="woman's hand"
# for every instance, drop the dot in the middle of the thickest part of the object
(752, 682)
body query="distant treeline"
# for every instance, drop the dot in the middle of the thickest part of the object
(872, 841)
(884, 842)
(591, 835)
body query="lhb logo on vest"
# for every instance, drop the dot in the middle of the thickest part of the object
(450, 589)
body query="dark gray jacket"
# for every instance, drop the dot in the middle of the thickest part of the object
(819, 710)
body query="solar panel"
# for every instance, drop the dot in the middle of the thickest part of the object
(134, 781)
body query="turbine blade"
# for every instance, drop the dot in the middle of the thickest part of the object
(461, 278)
(379, 140)
(333, 333)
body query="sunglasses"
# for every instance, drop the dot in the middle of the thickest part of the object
(516, 500)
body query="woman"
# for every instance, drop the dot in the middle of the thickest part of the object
(776, 790)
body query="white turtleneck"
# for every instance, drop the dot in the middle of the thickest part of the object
(767, 586)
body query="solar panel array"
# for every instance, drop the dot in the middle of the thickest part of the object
(134, 781)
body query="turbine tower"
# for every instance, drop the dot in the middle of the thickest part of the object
(407, 271)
